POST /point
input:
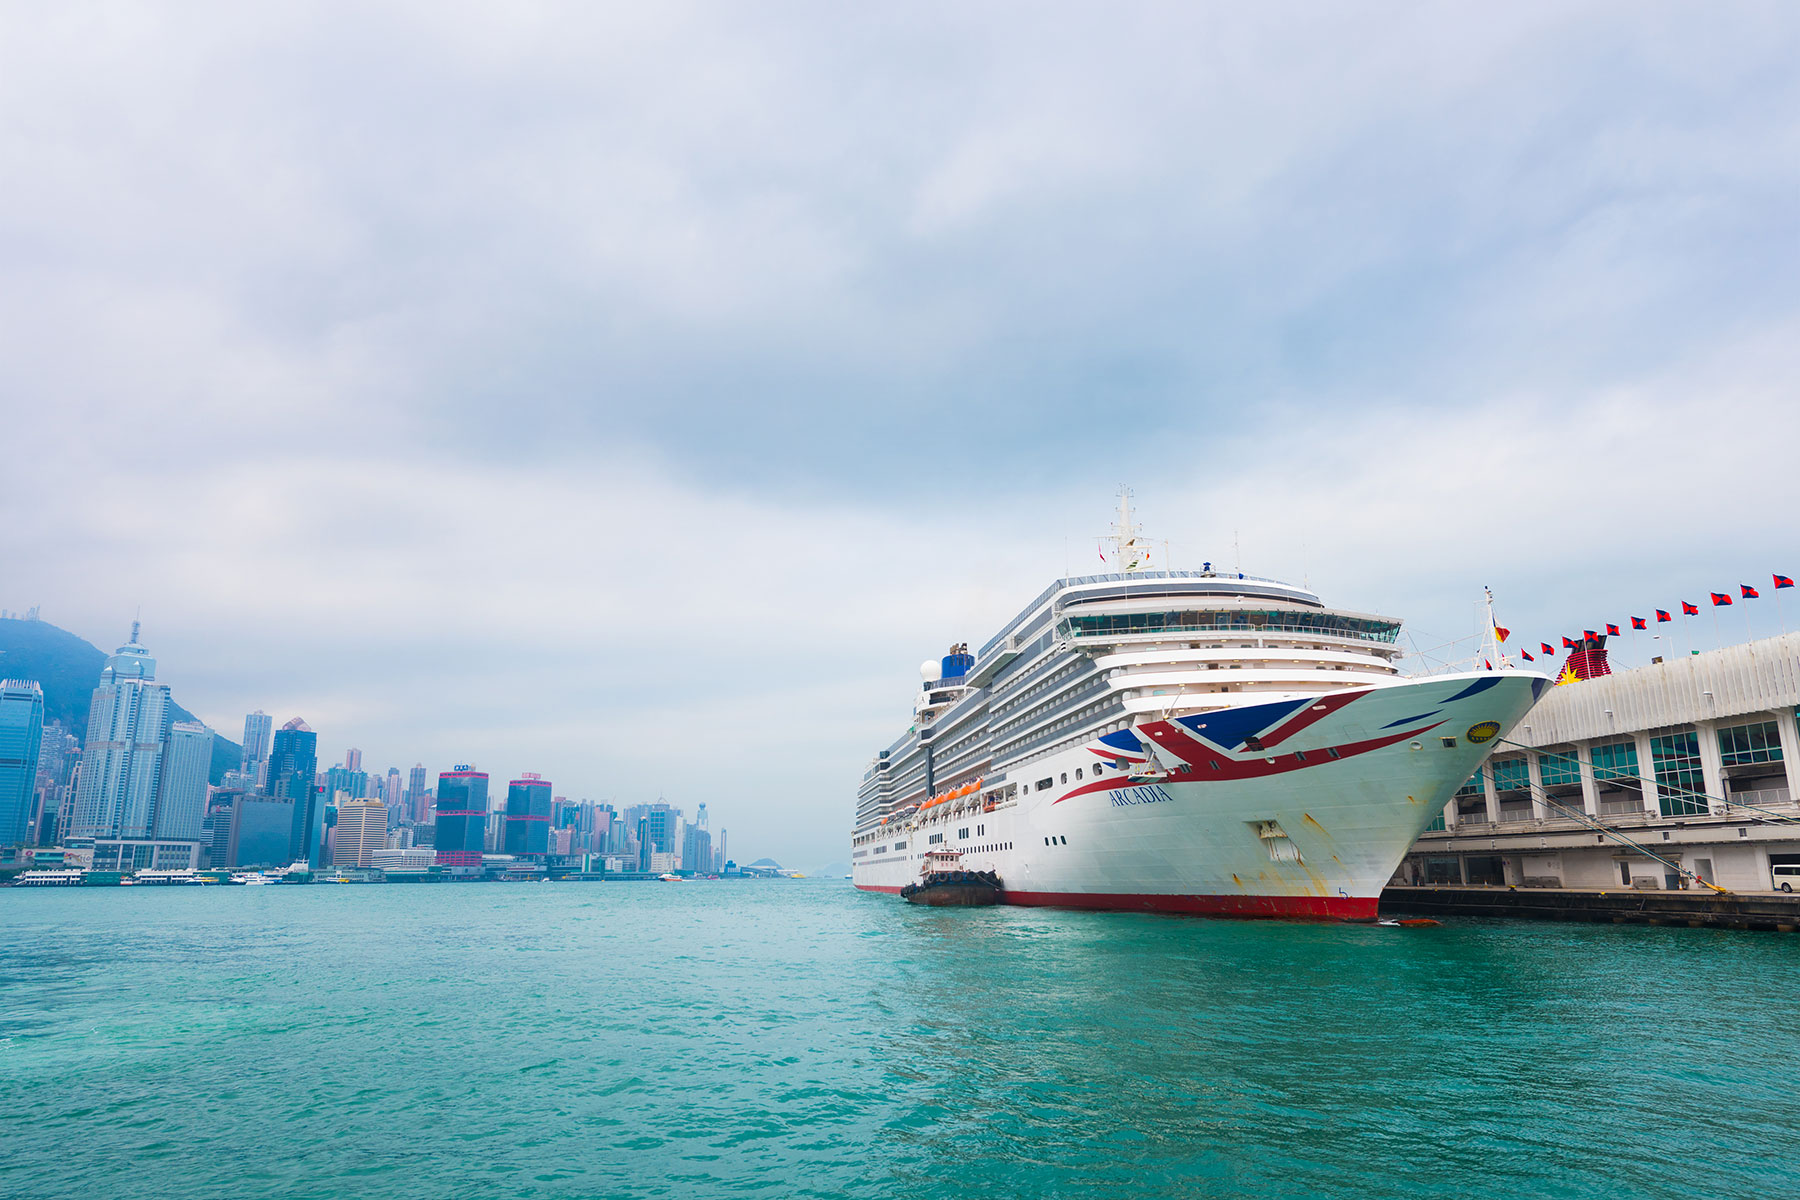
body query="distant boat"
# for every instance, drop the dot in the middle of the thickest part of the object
(670, 878)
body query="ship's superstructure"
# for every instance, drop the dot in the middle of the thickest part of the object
(1182, 740)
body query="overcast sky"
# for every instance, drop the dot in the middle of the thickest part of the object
(637, 393)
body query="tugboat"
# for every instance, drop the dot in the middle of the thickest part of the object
(944, 882)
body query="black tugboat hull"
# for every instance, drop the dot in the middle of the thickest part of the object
(953, 895)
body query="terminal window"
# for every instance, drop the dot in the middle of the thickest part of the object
(1743, 744)
(1680, 782)
(1618, 761)
(1559, 769)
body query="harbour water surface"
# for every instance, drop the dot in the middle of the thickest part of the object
(800, 1039)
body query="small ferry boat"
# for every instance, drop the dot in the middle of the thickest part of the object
(944, 882)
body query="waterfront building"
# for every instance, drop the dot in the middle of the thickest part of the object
(1692, 763)
(58, 753)
(403, 859)
(696, 848)
(462, 813)
(293, 762)
(658, 832)
(257, 726)
(215, 830)
(145, 854)
(121, 767)
(21, 742)
(262, 831)
(181, 804)
(361, 831)
(528, 816)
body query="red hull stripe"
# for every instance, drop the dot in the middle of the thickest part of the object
(1326, 908)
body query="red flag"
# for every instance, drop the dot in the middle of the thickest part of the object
(1662, 614)
(1526, 655)
(1782, 581)
(1588, 633)
(1487, 664)
(1548, 648)
(1612, 631)
(1719, 599)
(1639, 623)
(1567, 644)
(1689, 610)
(1749, 592)
(1501, 633)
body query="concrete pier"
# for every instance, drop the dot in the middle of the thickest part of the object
(1773, 911)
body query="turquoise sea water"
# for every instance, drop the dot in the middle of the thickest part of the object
(802, 1039)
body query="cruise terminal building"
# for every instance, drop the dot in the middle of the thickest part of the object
(1690, 765)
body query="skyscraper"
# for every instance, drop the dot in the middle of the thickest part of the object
(292, 764)
(462, 799)
(528, 816)
(416, 802)
(353, 760)
(256, 742)
(181, 803)
(21, 739)
(121, 767)
(392, 793)
(58, 753)
(346, 779)
(361, 830)
(696, 849)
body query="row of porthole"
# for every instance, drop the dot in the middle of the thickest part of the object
(1056, 841)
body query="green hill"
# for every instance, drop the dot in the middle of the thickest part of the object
(67, 668)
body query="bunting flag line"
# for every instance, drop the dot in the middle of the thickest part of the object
(1662, 616)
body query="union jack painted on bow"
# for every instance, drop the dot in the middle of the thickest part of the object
(1235, 743)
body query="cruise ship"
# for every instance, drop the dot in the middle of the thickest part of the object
(1180, 741)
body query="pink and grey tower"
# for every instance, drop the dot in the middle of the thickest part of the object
(528, 803)
(461, 827)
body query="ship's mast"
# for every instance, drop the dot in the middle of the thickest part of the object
(1130, 553)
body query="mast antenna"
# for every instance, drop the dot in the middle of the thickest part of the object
(1132, 553)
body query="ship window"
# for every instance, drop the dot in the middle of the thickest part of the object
(1449, 743)
(1078, 772)
(1065, 777)
(1044, 783)
(1299, 756)
(1333, 752)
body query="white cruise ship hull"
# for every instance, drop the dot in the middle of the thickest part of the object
(1302, 807)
